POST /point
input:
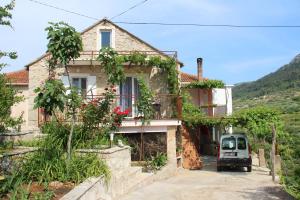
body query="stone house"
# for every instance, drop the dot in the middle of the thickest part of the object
(86, 74)
(163, 131)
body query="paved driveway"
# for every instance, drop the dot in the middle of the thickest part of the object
(208, 184)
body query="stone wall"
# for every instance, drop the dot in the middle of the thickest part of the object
(116, 158)
(21, 108)
(124, 177)
(22, 136)
(92, 188)
(171, 147)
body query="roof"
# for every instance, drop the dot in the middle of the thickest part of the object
(21, 77)
(185, 77)
(18, 77)
(107, 21)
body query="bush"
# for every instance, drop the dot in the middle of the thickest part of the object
(157, 162)
(44, 168)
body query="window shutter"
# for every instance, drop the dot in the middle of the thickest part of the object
(91, 86)
(65, 81)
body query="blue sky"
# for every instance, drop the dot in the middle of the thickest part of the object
(232, 55)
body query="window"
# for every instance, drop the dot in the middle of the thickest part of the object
(105, 38)
(228, 143)
(129, 93)
(80, 84)
(241, 143)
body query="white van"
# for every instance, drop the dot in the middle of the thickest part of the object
(234, 151)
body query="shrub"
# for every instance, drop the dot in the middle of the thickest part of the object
(157, 162)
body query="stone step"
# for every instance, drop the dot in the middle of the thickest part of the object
(129, 171)
(129, 180)
(139, 181)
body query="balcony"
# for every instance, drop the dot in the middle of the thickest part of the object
(166, 107)
(90, 57)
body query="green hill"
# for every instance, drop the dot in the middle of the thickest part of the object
(280, 90)
(285, 78)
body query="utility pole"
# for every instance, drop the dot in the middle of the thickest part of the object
(273, 151)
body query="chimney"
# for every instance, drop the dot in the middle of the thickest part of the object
(199, 68)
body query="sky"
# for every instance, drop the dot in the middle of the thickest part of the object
(230, 54)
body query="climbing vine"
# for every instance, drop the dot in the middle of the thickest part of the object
(194, 116)
(206, 84)
(113, 66)
(144, 101)
(256, 121)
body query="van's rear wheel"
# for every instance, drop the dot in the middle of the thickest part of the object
(249, 168)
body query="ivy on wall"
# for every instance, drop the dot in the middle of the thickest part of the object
(206, 84)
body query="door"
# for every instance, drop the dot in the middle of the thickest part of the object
(242, 147)
(129, 93)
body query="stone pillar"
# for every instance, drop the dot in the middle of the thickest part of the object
(277, 164)
(261, 157)
(171, 146)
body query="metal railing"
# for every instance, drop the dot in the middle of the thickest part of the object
(165, 106)
(92, 55)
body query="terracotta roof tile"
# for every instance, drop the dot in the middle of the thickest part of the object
(18, 77)
(185, 77)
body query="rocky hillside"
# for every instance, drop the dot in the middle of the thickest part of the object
(285, 78)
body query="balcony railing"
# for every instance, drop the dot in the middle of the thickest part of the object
(165, 107)
(92, 55)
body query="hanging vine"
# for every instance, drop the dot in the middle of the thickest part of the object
(206, 84)
(113, 65)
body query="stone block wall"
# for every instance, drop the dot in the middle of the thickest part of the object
(171, 147)
(116, 158)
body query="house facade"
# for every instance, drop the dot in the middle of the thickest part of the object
(163, 131)
(87, 74)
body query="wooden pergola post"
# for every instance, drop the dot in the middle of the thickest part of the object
(273, 154)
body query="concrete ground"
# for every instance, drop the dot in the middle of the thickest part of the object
(208, 184)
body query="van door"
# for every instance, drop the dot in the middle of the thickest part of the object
(242, 147)
(228, 147)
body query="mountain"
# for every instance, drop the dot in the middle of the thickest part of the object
(280, 90)
(285, 78)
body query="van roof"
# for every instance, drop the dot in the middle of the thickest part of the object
(234, 135)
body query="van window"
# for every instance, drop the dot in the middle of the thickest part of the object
(228, 143)
(241, 143)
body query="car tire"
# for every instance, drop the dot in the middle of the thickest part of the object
(249, 168)
(219, 168)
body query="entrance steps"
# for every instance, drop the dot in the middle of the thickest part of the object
(128, 180)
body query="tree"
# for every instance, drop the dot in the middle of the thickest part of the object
(8, 95)
(64, 45)
(5, 16)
